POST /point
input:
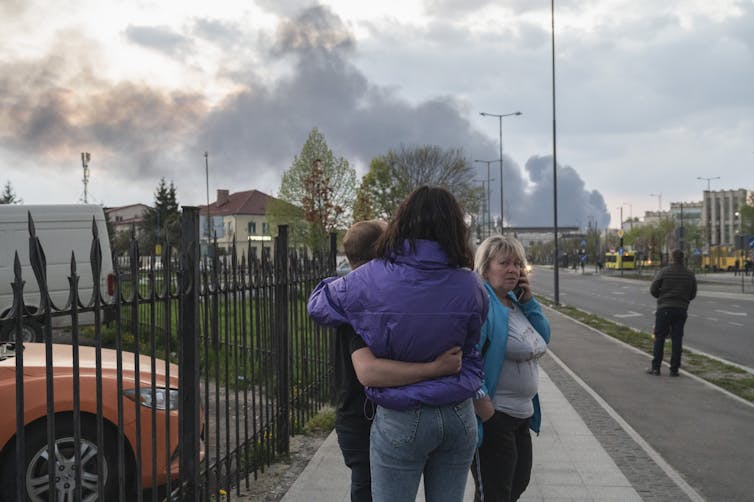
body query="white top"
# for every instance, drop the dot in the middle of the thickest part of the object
(519, 376)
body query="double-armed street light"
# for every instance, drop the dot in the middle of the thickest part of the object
(500, 129)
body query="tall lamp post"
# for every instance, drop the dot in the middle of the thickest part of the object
(708, 216)
(500, 129)
(630, 213)
(487, 193)
(740, 242)
(659, 202)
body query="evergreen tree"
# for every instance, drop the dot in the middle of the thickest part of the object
(161, 223)
(8, 195)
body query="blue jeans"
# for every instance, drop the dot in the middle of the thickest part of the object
(438, 442)
(669, 321)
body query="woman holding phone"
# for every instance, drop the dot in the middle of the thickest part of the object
(514, 336)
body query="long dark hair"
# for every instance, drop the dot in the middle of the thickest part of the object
(430, 213)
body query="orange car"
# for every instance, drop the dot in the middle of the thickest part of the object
(35, 418)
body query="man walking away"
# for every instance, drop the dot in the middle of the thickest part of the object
(674, 287)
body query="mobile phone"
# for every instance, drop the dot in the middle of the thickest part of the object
(518, 292)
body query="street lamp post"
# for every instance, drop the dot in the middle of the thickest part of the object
(740, 247)
(500, 130)
(708, 216)
(487, 193)
(630, 213)
(659, 202)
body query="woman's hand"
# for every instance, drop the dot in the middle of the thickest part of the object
(523, 283)
(483, 408)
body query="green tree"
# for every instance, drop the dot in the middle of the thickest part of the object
(380, 191)
(393, 176)
(161, 223)
(323, 186)
(8, 195)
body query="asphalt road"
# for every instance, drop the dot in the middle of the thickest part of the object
(721, 318)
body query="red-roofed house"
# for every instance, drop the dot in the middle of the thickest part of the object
(124, 217)
(240, 214)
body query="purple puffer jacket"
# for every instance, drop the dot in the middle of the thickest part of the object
(411, 308)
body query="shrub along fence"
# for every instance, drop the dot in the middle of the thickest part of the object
(207, 368)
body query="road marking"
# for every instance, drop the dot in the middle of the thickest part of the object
(631, 313)
(731, 313)
(735, 323)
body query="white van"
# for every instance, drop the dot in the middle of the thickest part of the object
(62, 230)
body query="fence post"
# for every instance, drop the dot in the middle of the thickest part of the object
(333, 251)
(332, 264)
(281, 338)
(188, 375)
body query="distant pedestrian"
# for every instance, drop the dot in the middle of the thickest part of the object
(674, 287)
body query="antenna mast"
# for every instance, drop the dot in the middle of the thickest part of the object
(85, 157)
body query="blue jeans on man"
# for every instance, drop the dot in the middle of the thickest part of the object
(669, 321)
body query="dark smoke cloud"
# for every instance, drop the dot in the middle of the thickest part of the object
(576, 205)
(58, 107)
(361, 120)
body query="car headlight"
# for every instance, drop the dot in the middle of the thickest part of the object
(164, 398)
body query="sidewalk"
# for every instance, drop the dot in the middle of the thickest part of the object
(610, 432)
(569, 463)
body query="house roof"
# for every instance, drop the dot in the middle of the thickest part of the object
(120, 208)
(247, 202)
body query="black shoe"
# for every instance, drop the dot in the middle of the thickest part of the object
(674, 373)
(654, 371)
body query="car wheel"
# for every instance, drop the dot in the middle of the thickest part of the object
(31, 331)
(36, 455)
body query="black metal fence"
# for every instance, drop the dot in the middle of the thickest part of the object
(189, 376)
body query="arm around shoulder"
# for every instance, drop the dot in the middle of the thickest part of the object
(325, 302)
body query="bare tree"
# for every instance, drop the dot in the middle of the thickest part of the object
(393, 176)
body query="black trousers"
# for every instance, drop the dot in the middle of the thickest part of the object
(669, 322)
(502, 466)
(353, 439)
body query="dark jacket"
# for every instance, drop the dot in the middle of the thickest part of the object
(674, 287)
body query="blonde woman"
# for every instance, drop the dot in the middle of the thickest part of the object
(514, 336)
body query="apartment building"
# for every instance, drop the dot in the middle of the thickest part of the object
(719, 208)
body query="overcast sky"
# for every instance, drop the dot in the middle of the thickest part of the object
(650, 96)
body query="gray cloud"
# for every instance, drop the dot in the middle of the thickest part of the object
(160, 38)
(60, 107)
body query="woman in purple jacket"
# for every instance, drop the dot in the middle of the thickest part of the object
(417, 300)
